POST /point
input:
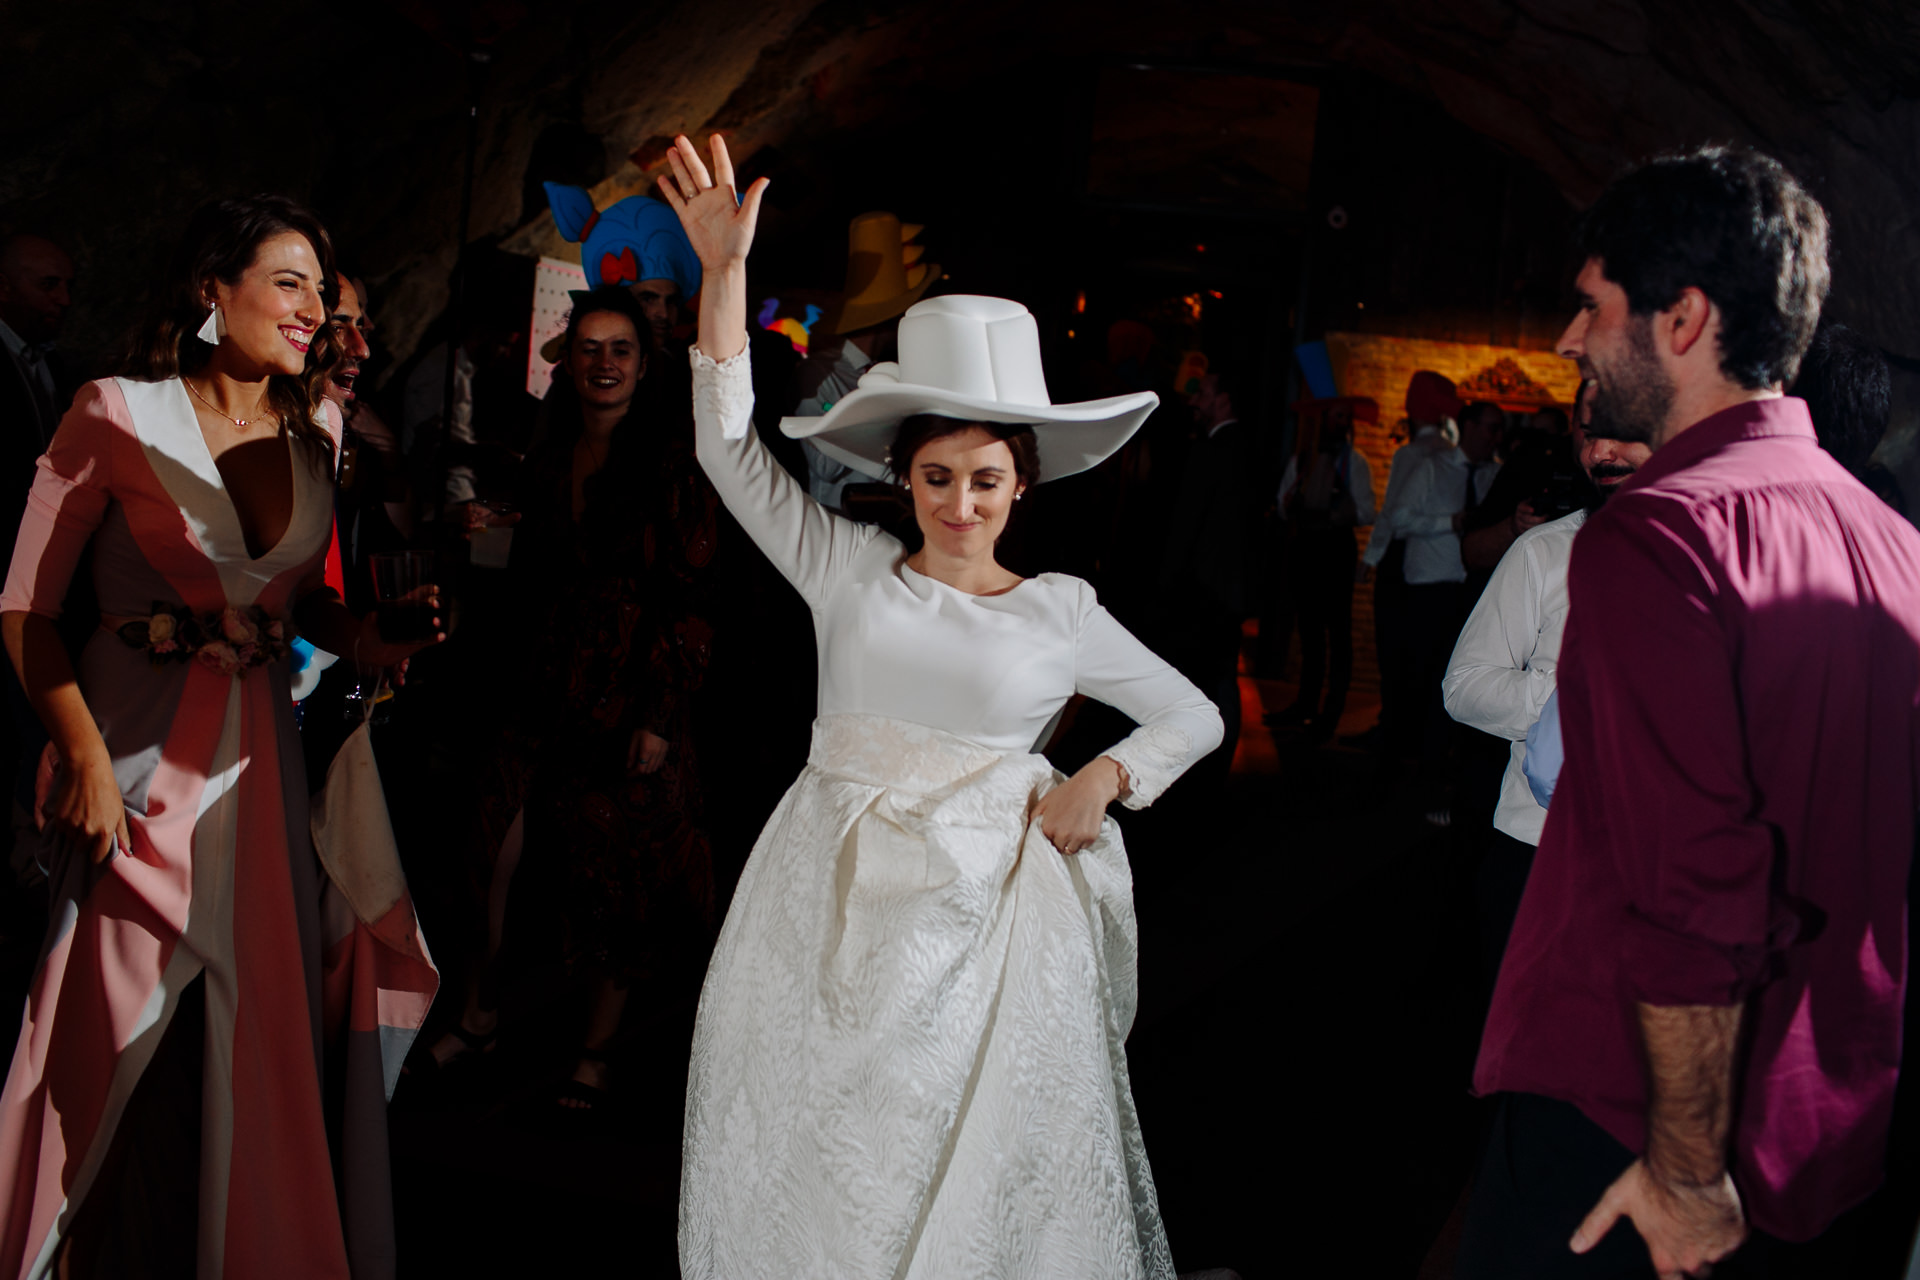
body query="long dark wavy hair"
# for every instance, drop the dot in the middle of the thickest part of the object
(221, 242)
(628, 475)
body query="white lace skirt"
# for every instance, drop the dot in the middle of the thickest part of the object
(909, 1060)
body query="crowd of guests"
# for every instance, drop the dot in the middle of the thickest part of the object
(1652, 658)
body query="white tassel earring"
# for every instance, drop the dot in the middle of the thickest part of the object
(214, 329)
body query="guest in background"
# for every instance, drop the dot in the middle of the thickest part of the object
(454, 448)
(36, 282)
(1326, 493)
(1539, 480)
(596, 773)
(1849, 393)
(884, 277)
(635, 243)
(1697, 1025)
(1503, 672)
(372, 500)
(1414, 551)
(1203, 588)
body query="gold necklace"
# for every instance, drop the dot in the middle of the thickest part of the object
(241, 423)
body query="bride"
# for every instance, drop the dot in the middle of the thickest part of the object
(909, 1059)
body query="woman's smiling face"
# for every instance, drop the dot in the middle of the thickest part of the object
(964, 485)
(606, 360)
(273, 311)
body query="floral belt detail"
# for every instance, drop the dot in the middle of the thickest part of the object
(231, 642)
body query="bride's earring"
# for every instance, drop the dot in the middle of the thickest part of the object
(214, 329)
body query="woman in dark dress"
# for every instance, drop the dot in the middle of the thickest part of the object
(596, 770)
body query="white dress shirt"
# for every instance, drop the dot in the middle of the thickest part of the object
(1503, 666)
(1359, 478)
(827, 478)
(1426, 488)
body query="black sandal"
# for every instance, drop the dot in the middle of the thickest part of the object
(592, 1098)
(473, 1045)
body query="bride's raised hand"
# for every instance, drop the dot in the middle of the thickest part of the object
(717, 221)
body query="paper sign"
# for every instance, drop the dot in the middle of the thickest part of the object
(551, 283)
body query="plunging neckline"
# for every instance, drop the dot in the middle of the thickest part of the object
(233, 508)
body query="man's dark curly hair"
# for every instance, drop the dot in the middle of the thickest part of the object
(1737, 226)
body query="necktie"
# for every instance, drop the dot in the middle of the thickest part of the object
(40, 383)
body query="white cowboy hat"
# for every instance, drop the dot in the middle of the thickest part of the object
(977, 359)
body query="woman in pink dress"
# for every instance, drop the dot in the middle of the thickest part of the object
(164, 1114)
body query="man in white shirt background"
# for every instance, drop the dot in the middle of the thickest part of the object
(1503, 670)
(1415, 552)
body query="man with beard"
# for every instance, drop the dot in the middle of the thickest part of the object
(1695, 1035)
(1501, 675)
(372, 500)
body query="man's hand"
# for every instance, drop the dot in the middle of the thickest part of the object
(1687, 1229)
(1524, 518)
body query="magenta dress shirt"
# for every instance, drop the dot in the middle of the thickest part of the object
(1735, 820)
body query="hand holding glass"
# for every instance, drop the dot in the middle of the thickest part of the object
(403, 586)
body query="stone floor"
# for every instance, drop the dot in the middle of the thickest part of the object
(1299, 1056)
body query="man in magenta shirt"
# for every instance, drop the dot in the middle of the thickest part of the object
(1696, 1031)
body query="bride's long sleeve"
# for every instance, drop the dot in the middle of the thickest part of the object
(1178, 725)
(810, 545)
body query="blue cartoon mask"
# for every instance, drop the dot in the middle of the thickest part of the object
(632, 240)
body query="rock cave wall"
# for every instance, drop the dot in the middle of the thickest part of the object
(120, 118)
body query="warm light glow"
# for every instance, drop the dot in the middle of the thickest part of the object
(1069, 333)
(1192, 302)
(1199, 248)
(1214, 293)
(1080, 303)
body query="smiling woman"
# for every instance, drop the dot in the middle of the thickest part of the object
(596, 766)
(164, 1111)
(260, 272)
(932, 910)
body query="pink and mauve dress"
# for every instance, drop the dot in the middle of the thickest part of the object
(222, 884)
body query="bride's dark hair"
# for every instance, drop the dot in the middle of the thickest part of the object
(221, 242)
(922, 429)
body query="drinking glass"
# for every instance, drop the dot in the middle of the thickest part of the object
(406, 615)
(492, 544)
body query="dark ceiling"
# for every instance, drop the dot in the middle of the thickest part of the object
(118, 119)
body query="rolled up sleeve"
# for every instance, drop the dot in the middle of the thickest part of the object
(1651, 705)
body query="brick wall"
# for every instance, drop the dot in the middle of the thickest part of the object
(1379, 366)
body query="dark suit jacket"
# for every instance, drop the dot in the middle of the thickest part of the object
(1212, 525)
(24, 434)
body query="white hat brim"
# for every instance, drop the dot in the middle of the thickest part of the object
(859, 429)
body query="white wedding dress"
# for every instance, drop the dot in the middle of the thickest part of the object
(909, 1059)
